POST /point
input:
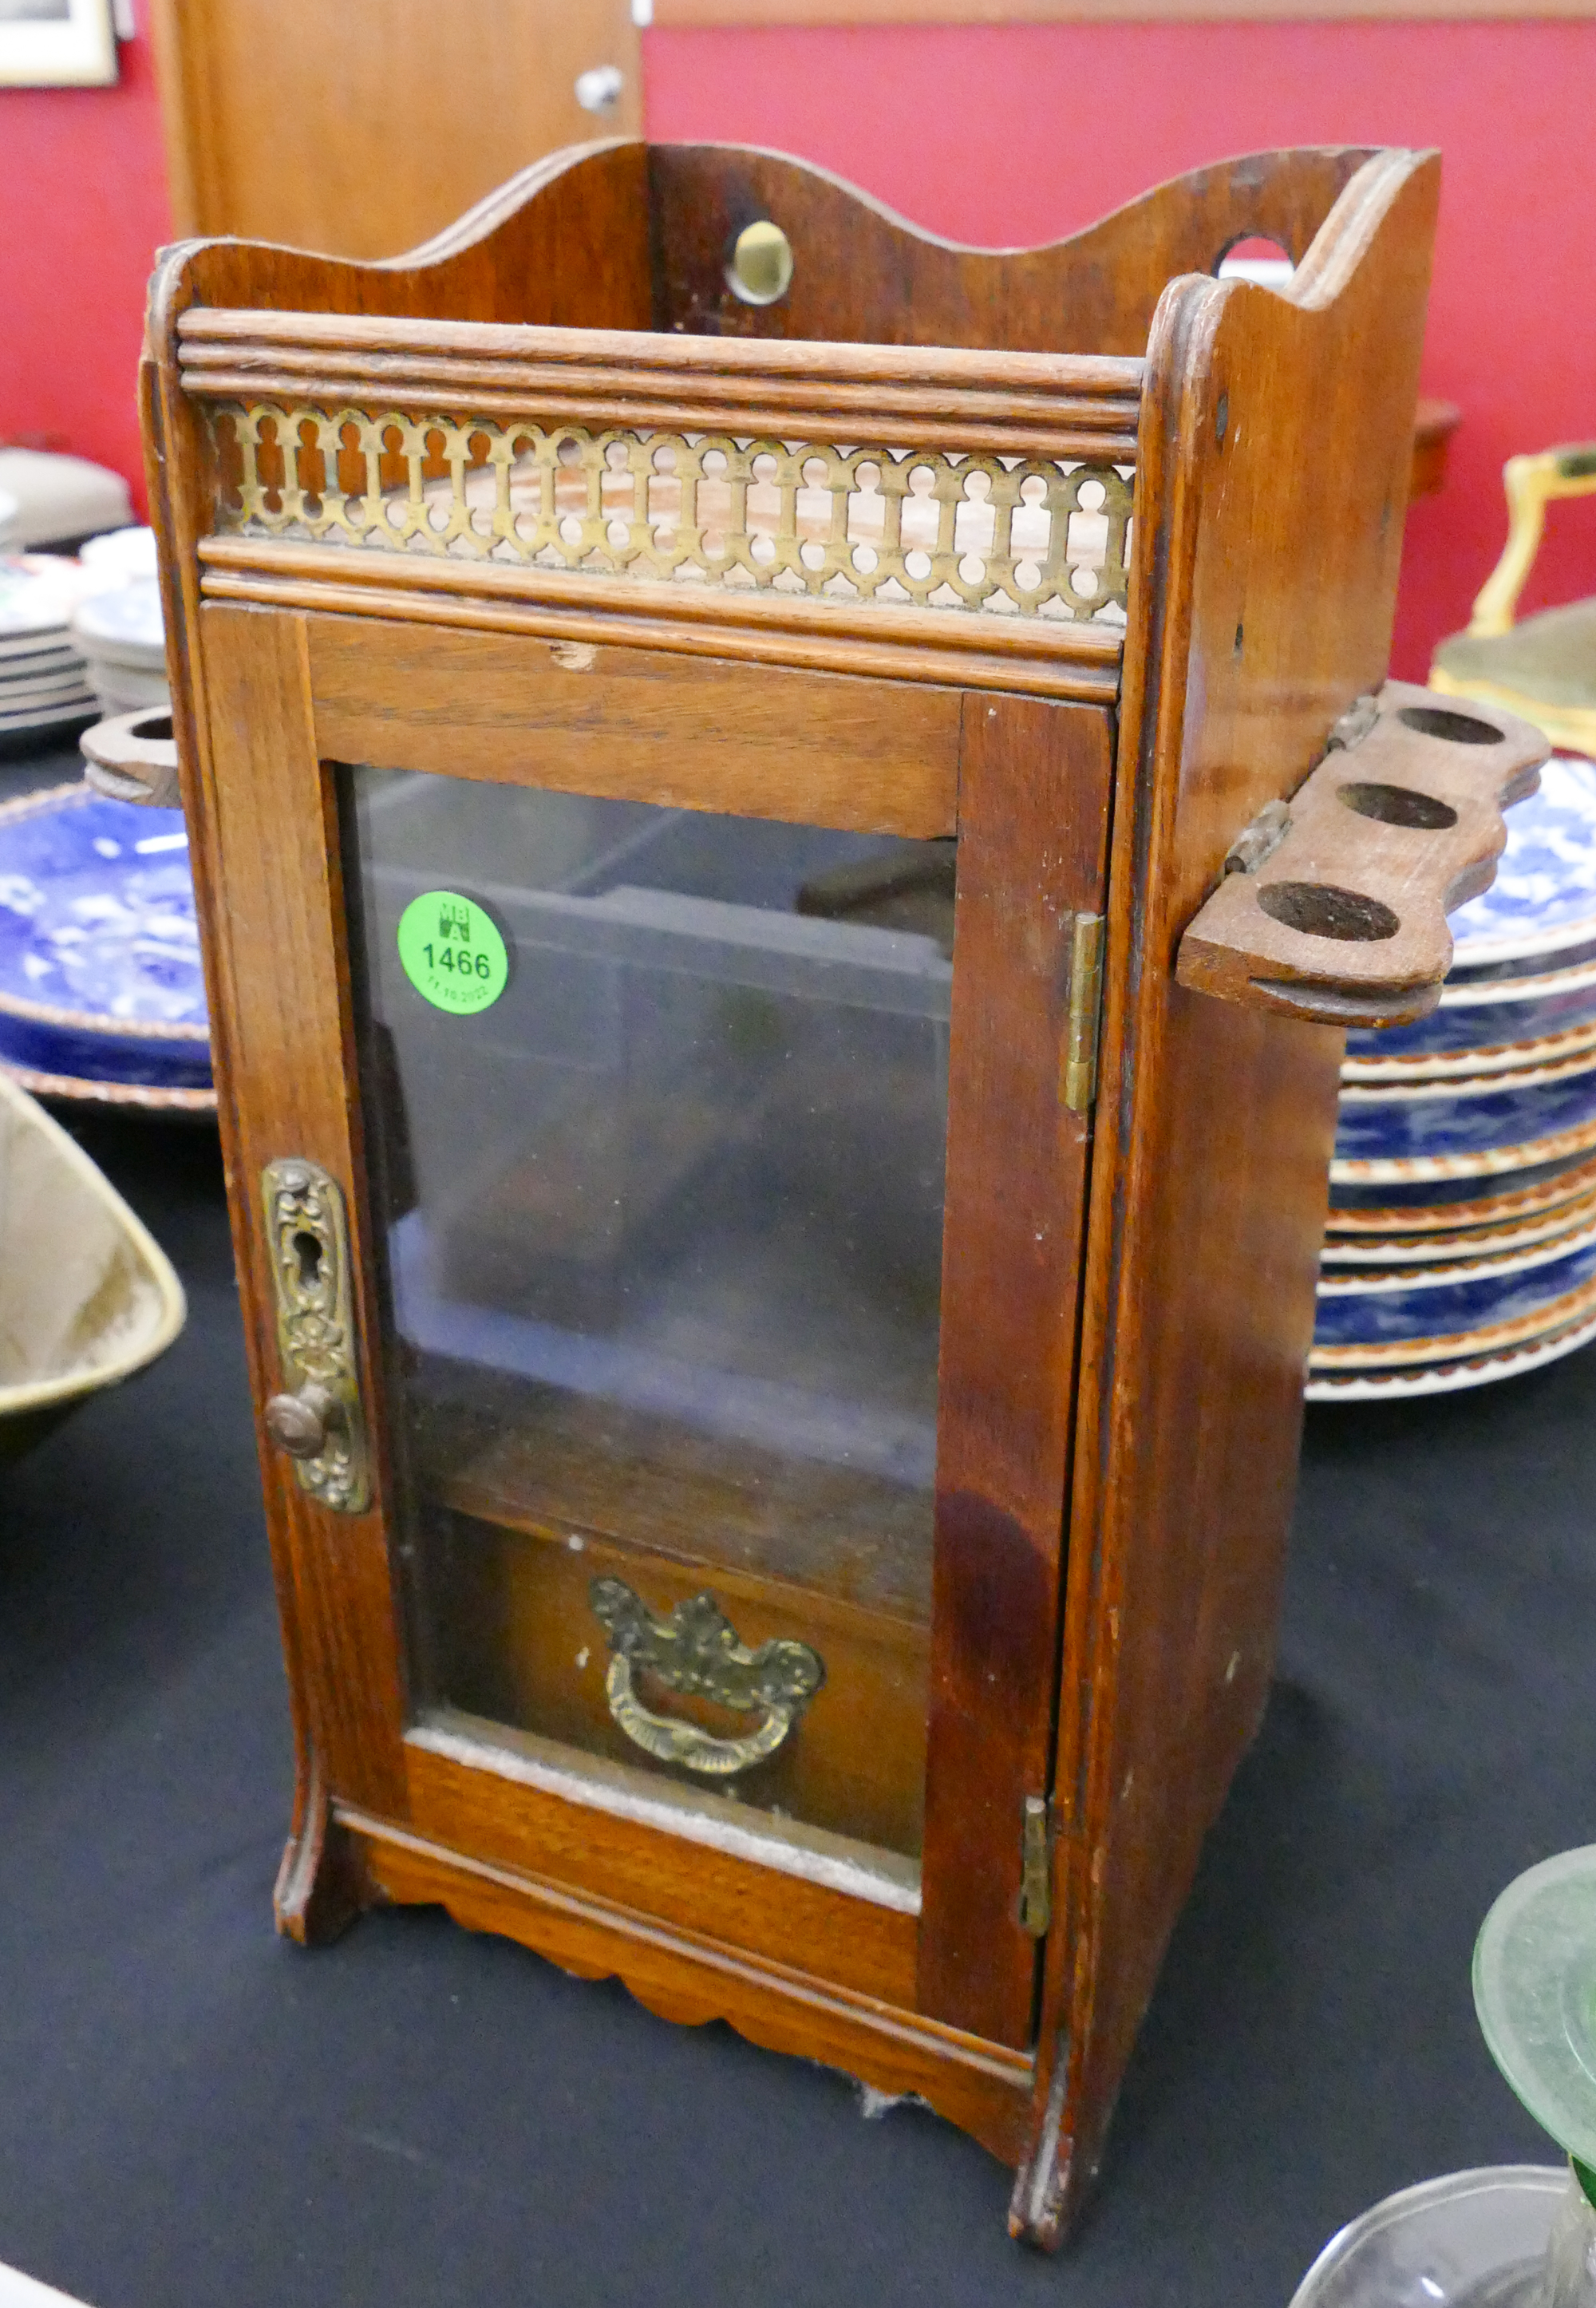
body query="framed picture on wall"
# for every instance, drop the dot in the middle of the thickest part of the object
(57, 43)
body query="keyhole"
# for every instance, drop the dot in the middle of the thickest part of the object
(307, 1251)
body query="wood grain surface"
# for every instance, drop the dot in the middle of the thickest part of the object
(1265, 594)
(278, 912)
(628, 724)
(1078, 661)
(860, 1944)
(1033, 836)
(1344, 921)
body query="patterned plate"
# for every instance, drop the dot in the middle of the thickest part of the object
(1475, 1122)
(1420, 1205)
(99, 960)
(1406, 1314)
(1466, 1365)
(1479, 1015)
(1447, 1245)
(1544, 896)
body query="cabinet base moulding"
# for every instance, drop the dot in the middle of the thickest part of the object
(688, 1978)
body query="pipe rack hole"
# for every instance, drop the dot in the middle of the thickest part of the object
(1456, 729)
(1319, 910)
(1400, 805)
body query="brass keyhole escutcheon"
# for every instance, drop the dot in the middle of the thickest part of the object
(760, 268)
(317, 1419)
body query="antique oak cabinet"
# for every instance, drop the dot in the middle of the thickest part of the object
(777, 1180)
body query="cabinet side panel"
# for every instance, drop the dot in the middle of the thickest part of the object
(1033, 825)
(1275, 448)
(276, 909)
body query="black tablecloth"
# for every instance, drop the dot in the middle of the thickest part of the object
(194, 2112)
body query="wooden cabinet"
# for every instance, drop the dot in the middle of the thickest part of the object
(779, 1319)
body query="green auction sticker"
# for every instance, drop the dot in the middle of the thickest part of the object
(452, 953)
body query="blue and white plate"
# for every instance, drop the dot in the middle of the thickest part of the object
(1428, 1314)
(1446, 1245)
(100, 958)
(1408, 1204)
(1482, 1024)
(1543, 899)
(1472, 1125)
(1451, 1373)
(1524, 952)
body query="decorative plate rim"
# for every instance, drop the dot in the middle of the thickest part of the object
(86, 1093)
(1491, 1060)
(1451, 1376)
(1452, 1346)
(1387, 1281)
(1375, 1249)
(1421, 1170)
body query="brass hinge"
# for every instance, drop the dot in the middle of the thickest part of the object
(1086, 1002)
(1036, 1867)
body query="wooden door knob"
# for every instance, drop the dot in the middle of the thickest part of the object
(301, 1424)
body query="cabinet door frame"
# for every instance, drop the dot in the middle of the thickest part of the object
(1025, 782)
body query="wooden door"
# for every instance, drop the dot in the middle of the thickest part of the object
(715, 1241)
(364, 129)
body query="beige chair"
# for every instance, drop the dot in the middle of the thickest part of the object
(1546, 667)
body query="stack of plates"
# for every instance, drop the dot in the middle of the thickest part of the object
(43, 682)
(121, 635)
(1462, 1240)
(101, 995)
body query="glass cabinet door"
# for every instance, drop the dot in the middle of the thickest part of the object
(656, 1110)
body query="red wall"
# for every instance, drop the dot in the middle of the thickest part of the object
(84, 209)
(1008, 133)
(1000, 134)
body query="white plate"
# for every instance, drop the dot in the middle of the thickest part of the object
(38, 692)
(83, 709)
(123, 625)
(129, 552)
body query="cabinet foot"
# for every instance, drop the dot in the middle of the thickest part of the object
(1055, 2177)
(323, 1883)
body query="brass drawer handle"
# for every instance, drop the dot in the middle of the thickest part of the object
(696, 1651)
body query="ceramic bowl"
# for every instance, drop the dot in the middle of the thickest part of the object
(89, 1297)
(121, 635)
(125, 552)
(99, 960)
(1424, 1314)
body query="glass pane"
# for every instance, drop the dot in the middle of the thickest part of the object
(662, 1223)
